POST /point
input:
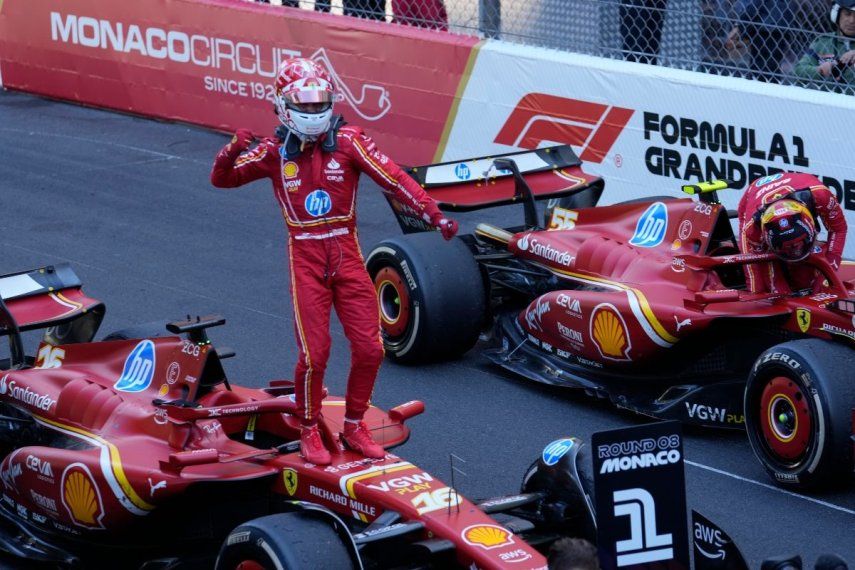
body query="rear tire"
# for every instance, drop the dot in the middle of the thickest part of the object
(295, 541)
(431, 295)
(798, 412)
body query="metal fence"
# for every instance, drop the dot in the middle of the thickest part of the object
(781, 41)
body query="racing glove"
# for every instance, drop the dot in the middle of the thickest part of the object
(446, 226)
(240, 142)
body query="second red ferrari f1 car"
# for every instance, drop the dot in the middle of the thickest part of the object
(136, 451)
(642, 302)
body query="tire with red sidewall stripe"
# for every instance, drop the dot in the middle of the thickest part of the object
(431, 295)
(297, 540)
(798, 412)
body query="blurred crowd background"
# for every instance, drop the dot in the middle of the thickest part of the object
(802, 42)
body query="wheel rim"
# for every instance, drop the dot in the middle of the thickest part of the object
(394, 300)
(249, 565)
(786, 420)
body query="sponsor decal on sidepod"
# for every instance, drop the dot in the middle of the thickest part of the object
(24, 394)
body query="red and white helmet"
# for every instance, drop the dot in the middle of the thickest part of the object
(304, 97)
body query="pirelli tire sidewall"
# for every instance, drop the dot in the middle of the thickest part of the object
(442, 296)
(294, 541)
(815, 371)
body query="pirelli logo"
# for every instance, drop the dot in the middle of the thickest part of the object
(538, 117)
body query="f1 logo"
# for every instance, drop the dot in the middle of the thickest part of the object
(644, 544)
(540, 117)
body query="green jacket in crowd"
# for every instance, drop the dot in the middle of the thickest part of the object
(824, 48)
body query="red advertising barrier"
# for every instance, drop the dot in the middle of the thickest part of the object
(211, 62)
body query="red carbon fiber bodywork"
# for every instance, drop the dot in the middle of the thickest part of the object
(641, 300)
(127, 456)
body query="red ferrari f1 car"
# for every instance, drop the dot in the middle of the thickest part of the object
(642, 302)
(136, 452)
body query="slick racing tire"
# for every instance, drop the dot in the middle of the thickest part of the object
(798, 412)
(155, 329)
(294, 541)
(431, 295)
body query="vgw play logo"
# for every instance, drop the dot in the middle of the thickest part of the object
(650, 230)
(139, 369)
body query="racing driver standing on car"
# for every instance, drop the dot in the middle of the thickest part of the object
(314, 164)
(779, 213)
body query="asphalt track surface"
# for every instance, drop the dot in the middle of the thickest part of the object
(127, 201)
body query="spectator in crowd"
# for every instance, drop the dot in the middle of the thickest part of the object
(762, 26)
(716, 22)
(424, 13)
(830, 56)
(641, 29)
(573, 554)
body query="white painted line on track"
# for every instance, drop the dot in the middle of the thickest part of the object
(772, 487)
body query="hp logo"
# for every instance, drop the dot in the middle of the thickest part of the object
(318, 203)
(139, 369)
(650, 230)
(553, 452)
(462, 171)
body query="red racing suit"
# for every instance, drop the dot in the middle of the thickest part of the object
(771, 277)
(316, 191)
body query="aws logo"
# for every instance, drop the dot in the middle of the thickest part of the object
(539, 117)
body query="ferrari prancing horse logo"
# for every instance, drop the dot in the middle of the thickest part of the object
(803, 318)
(289, 478)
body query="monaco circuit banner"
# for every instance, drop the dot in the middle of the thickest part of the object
(647, 130)
(212, 62)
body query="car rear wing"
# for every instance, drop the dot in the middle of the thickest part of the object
(489, 181)
(46, 297)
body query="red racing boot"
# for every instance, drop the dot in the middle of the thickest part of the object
(312, 446)
(358, 438)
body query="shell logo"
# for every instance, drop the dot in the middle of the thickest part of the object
(290, 169)
(487, 536)
(609, 332)
(81, 497)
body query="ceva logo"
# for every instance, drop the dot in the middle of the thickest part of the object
(650, 229)
(139, 369)
(538, 117)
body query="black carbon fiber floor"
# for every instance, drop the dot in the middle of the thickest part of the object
(127, 201)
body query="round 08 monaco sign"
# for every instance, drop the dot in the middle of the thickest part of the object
(641, 499)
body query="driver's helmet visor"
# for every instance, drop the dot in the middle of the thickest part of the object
(794, 249)
(308, 99)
